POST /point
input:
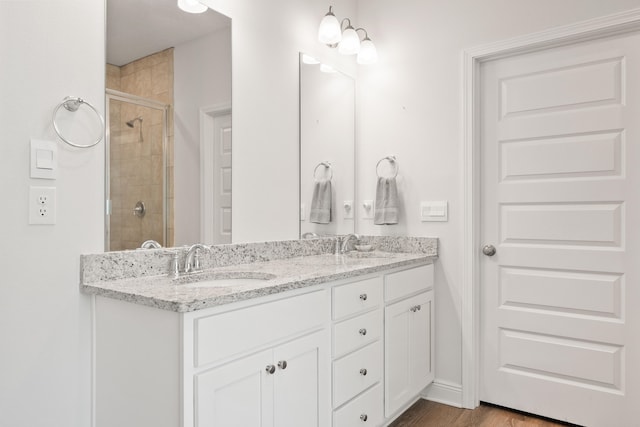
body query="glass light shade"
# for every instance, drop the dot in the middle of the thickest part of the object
(329, 31)
(309, 60)
(350, 43)
(327, 68)
(192, 6)
(368, 53)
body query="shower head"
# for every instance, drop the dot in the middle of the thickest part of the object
(131, 123)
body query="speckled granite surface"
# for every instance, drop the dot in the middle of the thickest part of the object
(141, 276)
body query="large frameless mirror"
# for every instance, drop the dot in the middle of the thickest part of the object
(327, 150)
(168, 91)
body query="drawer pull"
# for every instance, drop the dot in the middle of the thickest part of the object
(282, 364)
(363, 297)
(362, 332)
(364, 418)
(363, 372)
(270, 369)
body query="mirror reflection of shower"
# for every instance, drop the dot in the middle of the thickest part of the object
(132, 123)
(139, 188)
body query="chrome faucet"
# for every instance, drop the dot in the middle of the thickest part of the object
(192, 261)
(345, 242)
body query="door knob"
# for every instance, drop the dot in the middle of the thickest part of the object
(489, 250)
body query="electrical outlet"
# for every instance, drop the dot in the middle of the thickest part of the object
(42, 205)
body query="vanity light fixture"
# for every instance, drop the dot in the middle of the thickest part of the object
(192, 6)
(330, 32)
(334, 34)
(309, 60)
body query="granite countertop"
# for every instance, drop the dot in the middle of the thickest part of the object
(178, 295)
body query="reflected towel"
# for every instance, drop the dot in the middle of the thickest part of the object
(386, 211)
(321, 202)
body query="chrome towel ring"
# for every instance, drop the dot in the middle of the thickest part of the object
(72, 103)
(327, 165)
(392, 160)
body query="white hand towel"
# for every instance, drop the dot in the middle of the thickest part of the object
(386, 210)
(321, 202)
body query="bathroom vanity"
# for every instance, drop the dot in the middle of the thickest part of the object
(314, 340)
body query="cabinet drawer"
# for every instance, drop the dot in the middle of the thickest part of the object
(356, 372)
(236, 332)
(354, 333)
(365, 410)
(355, 297)
(407, 282)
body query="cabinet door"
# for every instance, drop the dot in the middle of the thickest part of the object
(239, 394)
(301, 382)
(408, 364)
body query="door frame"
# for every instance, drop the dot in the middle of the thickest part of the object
(610, 25)
(207, 117)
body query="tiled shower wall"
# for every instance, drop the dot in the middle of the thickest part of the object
(136, 166)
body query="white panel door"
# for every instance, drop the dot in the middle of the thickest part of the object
(560, 323)
(222, 179)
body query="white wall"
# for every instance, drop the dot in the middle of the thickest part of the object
(49, 49)
(202, 78)
(409, 105)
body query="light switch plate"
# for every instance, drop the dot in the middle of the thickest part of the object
(44, 159)
(434, 211)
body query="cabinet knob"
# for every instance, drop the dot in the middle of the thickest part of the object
(364, 418)
(363, 297)
(362, 332)
(270, 369)
(413, 309)
(363, 372)
(282, 364)
(419, 307)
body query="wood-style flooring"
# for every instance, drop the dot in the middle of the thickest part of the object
(430, 414)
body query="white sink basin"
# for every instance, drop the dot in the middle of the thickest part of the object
(227, 279)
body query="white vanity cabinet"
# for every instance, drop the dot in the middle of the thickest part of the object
(354, 352)
(408, 336)
(262, 365)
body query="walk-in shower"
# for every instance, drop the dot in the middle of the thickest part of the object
(138, 190)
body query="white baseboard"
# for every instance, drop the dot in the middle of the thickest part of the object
(444, 392)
